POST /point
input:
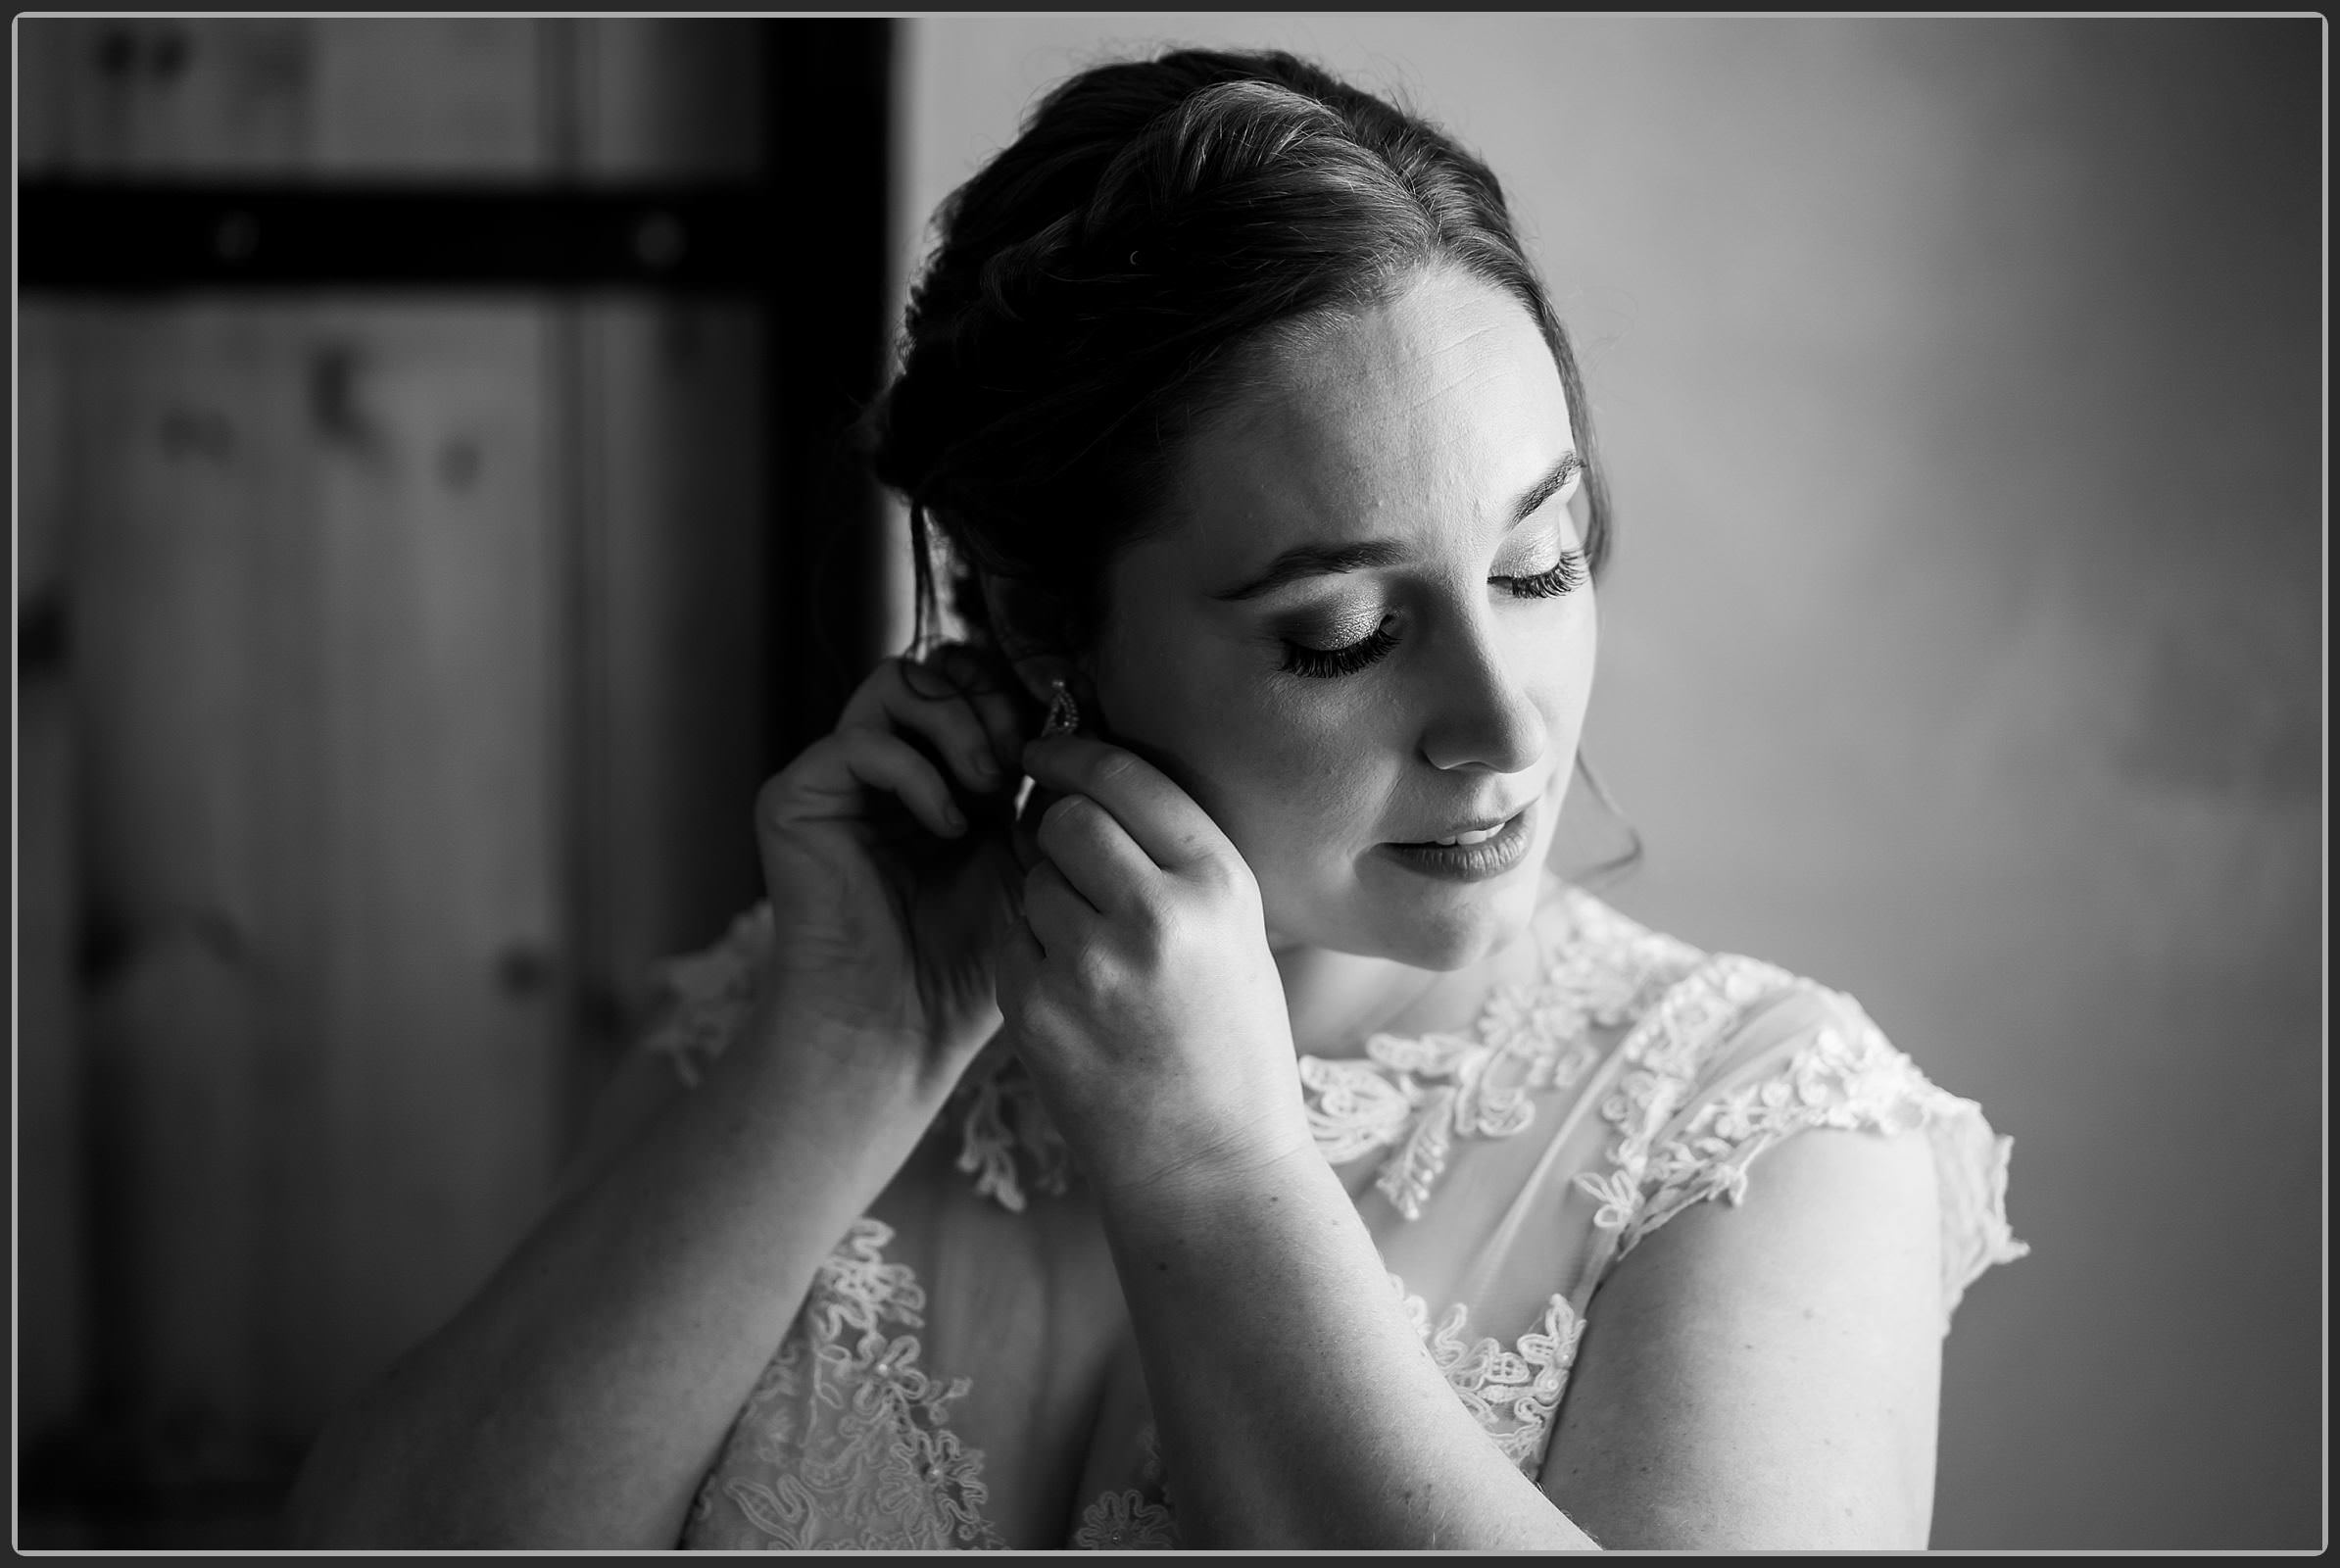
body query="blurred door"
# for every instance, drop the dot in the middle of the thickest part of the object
(395, 672)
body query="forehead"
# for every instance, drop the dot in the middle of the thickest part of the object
(1425, 415)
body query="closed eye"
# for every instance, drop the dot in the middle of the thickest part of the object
(1566, 575)
(1326, 664)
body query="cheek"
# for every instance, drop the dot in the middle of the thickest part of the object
(1300, 787)
(1319, 764)
(1291, 774)
(1279, 769)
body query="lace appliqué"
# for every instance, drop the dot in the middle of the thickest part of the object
(845, 1441)
(711, 993)
(1006, 1140)
(1002, 1117)
(1661, 1057)
(1845, 1075)
(1513, 1393)
(1124, 1521)
(1417, 1095)
(1135, 1518)
(1420, 1093)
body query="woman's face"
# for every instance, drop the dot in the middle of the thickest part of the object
(1365, 626)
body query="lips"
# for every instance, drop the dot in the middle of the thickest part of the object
(1474, 854)
(1471, 830)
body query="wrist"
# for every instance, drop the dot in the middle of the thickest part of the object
(816, 1048)
(1180, 1138)
(1229, 1180)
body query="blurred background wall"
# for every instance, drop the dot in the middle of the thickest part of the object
(396, 662)
(1960, 383)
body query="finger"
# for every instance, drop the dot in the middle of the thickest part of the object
(912, 700)
(1160, 818)
(998, 701)
(1017, 961)
(1023, 838)
(1060, 917)
(839, 772)
(1095, 854)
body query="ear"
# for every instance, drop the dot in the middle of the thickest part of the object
(1023, 621)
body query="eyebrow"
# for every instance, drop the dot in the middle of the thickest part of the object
(1318, 560)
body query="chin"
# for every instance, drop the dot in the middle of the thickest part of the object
(1424, 926)
(1376, 908)
(1456, 928)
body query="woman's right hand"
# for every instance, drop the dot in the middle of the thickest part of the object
(887, 859)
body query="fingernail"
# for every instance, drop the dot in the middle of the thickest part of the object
(980, 765)
(951, 816)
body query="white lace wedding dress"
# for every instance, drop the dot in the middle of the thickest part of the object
(1501, 1173)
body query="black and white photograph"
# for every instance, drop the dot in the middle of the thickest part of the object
(1324, 782)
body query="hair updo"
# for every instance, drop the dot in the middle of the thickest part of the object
(1093, 287)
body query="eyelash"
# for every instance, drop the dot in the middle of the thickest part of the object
(1567, 575)
(1321, 663)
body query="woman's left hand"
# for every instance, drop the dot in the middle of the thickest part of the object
(1139, 984)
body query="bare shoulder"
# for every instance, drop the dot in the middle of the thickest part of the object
(1768, 1374)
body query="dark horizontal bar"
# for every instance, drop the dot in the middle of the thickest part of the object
(119, 237)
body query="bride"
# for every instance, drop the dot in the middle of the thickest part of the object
(1233, 1137)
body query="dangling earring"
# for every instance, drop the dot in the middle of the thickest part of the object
(1064, 715)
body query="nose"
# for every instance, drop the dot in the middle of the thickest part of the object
(1482, 715)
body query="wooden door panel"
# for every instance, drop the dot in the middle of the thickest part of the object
(159, 95)
(166, 472)
(319, 700)
(409, 695)
(434, 733)
(673, 523)
(451, 95)
(52, 1195)
(168, 96)
(659, 98)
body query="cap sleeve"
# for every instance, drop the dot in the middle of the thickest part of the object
(1739, 1056)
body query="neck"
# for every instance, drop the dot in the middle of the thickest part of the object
(1335, 1000)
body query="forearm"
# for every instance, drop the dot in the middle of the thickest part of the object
(578, 1399)
(1293, 1401)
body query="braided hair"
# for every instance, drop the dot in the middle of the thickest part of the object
(1111, 277)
